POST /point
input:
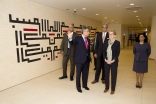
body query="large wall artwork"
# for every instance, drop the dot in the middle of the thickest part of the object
(31, 34)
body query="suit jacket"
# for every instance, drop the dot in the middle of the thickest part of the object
(141, 52)
(115, 50)
(93, 46)
(99, 44)
(82, 54)
(64, 44)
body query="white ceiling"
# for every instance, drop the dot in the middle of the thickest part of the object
(109, 9)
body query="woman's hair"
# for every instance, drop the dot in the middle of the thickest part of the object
(114, 32)
(145, 36)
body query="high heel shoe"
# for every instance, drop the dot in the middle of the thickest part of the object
(137, 85)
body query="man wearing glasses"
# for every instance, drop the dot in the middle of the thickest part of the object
(101, 39)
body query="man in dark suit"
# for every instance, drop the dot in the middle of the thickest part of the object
(68, 52)
(82, 58)
(93, 49)
(102, 38)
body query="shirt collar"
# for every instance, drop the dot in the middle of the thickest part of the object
(84, 37)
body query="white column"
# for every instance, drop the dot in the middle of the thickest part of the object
(153, 38)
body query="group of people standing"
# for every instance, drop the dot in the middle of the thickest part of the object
(106, 50)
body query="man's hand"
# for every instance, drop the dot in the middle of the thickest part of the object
(95, 55)
(69, 35)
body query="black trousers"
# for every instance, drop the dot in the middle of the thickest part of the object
(95, 62)
(84, 69)
(72, 64)
(99, 66)
(113, 68)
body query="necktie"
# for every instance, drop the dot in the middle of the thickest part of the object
(86, 43)
(103, 37)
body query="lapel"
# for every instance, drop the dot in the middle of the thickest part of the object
(73, 35)
(107, 35)
(101, 37)
(113, 44)
(83, 41)
(88, 43)
(66, 38)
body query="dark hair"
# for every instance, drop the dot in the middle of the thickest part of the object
(144, 34)
(84, 28)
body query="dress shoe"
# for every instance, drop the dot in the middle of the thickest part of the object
(103, 81)
(94, 68)
(94, 82)
(71, 79)
(137, 86)
(79, 90)
(112, 92)
(63, 77)
(105, 91)
(86, 88)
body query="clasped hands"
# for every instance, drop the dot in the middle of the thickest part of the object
(109, 62)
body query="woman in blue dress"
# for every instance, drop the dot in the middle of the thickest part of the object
(141, 50)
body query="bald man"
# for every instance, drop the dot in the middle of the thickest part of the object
(68, 52)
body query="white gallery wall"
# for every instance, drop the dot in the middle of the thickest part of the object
(28, 47)
(124, 35)
(121, 33)
(152, 38)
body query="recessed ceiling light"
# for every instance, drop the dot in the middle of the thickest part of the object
(138, 19)
(83, 8)
(135, 11)
(131, 4)
(137, 16)
(105, 17)
(118, 5)
(112, 20)
(97, 14)
(116, 22)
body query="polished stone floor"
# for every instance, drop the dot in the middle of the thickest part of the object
(48, 89)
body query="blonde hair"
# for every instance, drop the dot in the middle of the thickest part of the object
(114, 32)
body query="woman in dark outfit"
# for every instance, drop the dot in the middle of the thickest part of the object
(141, 50)
(111, 51)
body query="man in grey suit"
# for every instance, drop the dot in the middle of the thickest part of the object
(68, 52)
